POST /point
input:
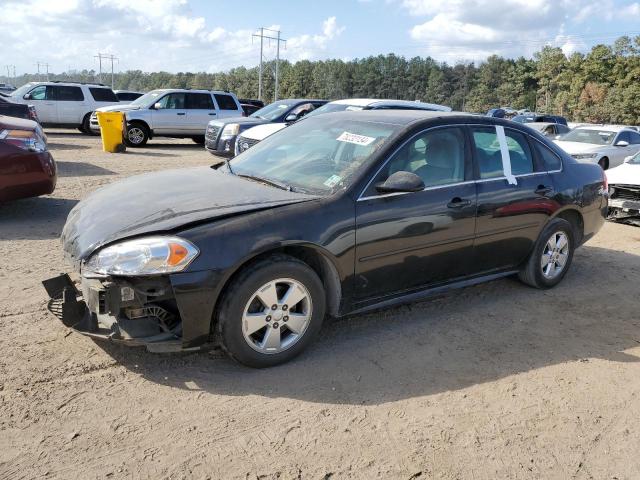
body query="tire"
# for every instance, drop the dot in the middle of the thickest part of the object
(604, 163)
(86, 126)
(276, 277)
(534, 273)
(137, 135)
(199, 140)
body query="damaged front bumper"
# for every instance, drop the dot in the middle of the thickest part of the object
(625, 211)
(131, 312)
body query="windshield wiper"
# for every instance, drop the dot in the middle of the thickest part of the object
(273, 183)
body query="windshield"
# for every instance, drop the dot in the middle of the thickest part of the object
(273, 110)
(588, 135)
(147, 98)
(20, 92)
(334, 107)
(318, 156)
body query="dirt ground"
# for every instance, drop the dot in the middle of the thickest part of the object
(495, 381)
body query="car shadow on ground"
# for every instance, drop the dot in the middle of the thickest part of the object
(137, 152)
(34, 218)
(449, 343)
(170, 146)
(81, 169)
(66, 146)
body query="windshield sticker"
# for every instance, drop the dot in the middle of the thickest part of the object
(356, 139)
(332, 181)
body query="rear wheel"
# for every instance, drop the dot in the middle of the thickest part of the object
(271, 312)
(86, 125)
(136, 135)
(551, 256)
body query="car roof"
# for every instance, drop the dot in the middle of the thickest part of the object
(192, 90)
(614, 128)
(378, 102)
(407, 117)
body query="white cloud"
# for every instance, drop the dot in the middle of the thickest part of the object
(148, 35)
(473, 29)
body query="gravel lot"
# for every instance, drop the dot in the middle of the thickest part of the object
(495, 381)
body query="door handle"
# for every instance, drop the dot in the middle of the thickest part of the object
(180, 113)
(458, 202)
(213, 114)
(543, 190)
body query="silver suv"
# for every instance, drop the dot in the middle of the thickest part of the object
(178, 113)
(65, 104)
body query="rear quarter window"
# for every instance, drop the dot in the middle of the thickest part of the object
(225, 102)
(103, 95)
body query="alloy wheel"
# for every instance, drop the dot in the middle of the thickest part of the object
(555, 255)
(277, 316)
(135, 135)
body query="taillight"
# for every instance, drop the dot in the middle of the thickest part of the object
(24, 139)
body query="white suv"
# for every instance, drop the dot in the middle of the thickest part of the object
(178, 113)
(65, 104)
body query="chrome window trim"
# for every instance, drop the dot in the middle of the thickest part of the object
(384, 164)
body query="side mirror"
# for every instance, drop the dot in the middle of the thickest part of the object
(622, 143)
(27, 96)
(157, 106)
(292, 117)
(401, 182)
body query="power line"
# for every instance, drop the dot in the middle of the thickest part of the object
(46, 65)
(106, 56)
(262, 36)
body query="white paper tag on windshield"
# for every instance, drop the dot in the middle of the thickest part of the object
(353, 138)
(332, 181)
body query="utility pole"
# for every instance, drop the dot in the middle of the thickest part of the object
(46, 65)
(106, 56)
(262, 36)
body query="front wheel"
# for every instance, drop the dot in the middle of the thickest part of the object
(271, 312)
(136, 135)
(551, 256)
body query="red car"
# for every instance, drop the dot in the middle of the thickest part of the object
(27, 169)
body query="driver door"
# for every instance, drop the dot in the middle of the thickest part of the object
(406, 241)
(42, 98)
(170, 118)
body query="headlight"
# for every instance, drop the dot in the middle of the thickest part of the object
(29, 140)
(231, 130)
(143, 256)
(580, 156)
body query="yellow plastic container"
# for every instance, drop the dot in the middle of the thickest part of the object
(111, 129)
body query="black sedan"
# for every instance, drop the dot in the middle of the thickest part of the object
(342, 213)
(220, 135)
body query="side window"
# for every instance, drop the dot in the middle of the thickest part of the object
(489, 156)
(635, 138)
(39, 93)
(225, 102)
(200, 101)
(103, 94)
(173, 101)
(550, 160)
(302, 110)
(437, 156)
(623, 136)
(68, 94)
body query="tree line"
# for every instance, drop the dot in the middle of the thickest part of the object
(600, 86)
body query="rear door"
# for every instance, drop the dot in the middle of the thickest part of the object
(71, 104)
(411, 240)
(200, 110)
(170, 117)
(44, 102)
(227, 106)
(512, 206)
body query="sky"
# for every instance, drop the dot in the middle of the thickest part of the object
(216, 35)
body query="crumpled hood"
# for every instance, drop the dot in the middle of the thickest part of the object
(626, 174)
(118, 108)
(579, 147)
(160, 202)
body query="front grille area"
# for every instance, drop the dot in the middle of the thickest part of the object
(626, 192)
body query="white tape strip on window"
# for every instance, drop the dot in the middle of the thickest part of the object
(506, 159)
